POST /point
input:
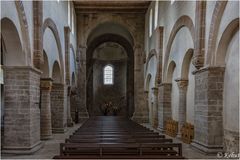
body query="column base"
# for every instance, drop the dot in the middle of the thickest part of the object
(178, 136)
(161, 130)
(207, 149)
(59, 130)
(69, 123)
(22, 150)
(82, 117)
(46, 137)
(139, 118)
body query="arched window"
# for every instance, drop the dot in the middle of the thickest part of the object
(108, 75)
(156, 15)
(150, 23)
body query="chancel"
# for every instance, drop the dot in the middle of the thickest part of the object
(87, 79)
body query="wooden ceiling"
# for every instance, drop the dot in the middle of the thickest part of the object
(113, 6)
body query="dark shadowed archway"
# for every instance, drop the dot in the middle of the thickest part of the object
(114, 38)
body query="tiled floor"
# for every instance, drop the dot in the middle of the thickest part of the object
(51, 148)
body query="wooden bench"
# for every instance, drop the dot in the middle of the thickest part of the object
(117, 137)
(137, 149)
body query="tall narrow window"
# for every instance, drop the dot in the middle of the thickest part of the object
(72, 21)
(156, 15)
(150, 23)
(108, 75)
(69, 15)
(172, 1)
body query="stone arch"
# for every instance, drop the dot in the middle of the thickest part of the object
(129, 60)
(147, 82)
(56, 73)
(115, 19)
(44, 67)
(74, 56)
(49, 23)
(183, 21)
(186, 86)
(214, 28)
(227, 55)
(25, 32)
(170, 70)
(151, 54)
(149, 94)
(186, 64)
(73, 79)
(227, 35)
(14, 56)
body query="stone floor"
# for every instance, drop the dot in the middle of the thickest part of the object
(188, 151)
(51, 148)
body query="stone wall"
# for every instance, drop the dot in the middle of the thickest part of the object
(105, 93)
(164, 101)
(58, 108)
(22, 114)
(208, 129)
(231, 141)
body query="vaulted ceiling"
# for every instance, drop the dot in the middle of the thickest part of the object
(113, 6)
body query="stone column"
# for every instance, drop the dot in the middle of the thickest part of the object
(141, 111)
(45, 113)
(182, 107)
(199, 42)
(147, 102)
(59, 107)
(208, 119)
(21, 110)
(82, 85)
(155, 107)
(37, 33)
(69, 117)
(164, 108)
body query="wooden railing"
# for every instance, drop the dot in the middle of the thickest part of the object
(187, 133)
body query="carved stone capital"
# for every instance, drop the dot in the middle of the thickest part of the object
(164, 84)
(198, 61)
(182, 83)
(46, 84)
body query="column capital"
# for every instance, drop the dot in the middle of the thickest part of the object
(182, 83)
(67, 29)
(164, 84)
(46, 84)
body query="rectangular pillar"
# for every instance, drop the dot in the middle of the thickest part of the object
(208, 119)
(59, 107)
(21, 110)
(81, 94)
(164, 110)
(140, 114)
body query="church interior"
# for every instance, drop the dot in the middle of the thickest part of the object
(119, 79)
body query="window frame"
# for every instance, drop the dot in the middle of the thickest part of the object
(112, 78)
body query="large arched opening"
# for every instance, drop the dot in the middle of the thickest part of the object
(109, 48)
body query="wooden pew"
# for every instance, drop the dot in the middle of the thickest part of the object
(117, 137)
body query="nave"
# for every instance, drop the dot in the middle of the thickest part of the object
(51, 148)
(172, 66)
